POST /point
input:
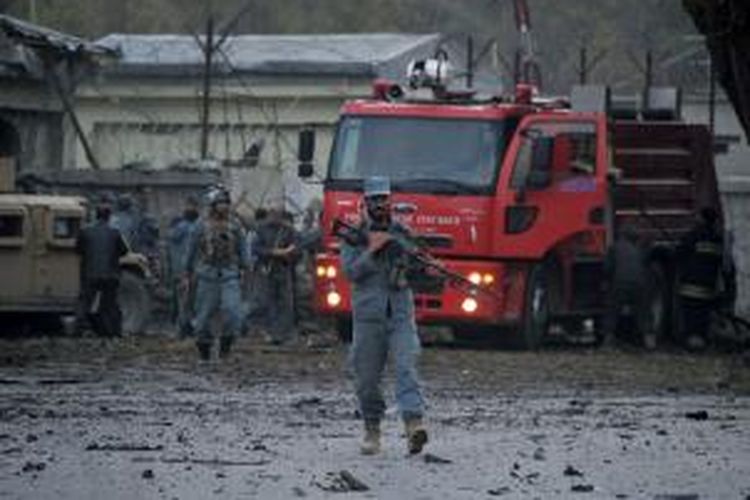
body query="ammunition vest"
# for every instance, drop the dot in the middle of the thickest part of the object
(218, 245)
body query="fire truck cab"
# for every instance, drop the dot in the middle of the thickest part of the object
(519, 194)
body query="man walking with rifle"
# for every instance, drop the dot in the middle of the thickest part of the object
(383, 320)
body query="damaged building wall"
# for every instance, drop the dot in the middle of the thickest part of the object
(40, 139)
(38, 70)
(145, 111)
(157, 126)
(31, 118)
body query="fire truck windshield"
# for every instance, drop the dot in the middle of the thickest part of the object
(436, 155)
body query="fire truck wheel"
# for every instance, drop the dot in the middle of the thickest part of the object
(134, 299)
(659, 301)
(536, 315)
(344, 330)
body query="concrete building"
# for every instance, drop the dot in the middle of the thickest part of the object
(37, 69)
(146, 109)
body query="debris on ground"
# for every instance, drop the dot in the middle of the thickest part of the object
(340, 482)
(123, 447)
(270, 426)
(572, 471)
(679, 496)
(304, 402)
(582, 488)
(496, 492)
(34, 467)
(430, 458)
(697, 415)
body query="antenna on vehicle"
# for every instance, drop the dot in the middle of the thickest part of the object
(527, 69)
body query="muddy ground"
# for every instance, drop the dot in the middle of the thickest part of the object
(139, 418)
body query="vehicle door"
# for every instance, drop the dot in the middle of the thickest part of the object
(15, 256)
(554, 183)
(59, 269)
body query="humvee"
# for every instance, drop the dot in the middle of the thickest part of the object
(39, 270)
(39, 266)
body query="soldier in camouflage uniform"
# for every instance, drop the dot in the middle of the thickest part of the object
(215, 262)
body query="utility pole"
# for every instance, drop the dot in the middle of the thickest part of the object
(582, 66)
(208, 52)
(649, 78)
(32, 11)
(209, 47)
(469, 62)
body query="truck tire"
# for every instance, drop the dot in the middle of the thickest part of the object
(344, 330)
(135, 303)
(536, 311)
(660, 301)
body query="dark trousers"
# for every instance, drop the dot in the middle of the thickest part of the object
(695, 315)
(634, 298)
(101, 306)
(279, 302)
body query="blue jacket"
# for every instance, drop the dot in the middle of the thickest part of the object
(179, 240)
(373, 296)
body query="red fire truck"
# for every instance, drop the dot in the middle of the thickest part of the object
(519, 194)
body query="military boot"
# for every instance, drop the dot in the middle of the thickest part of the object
(416, 434)
(225, 346)
(371, 441)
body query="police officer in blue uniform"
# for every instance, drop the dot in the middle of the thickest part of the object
(179, 238)
(215, 262)
(383, 322)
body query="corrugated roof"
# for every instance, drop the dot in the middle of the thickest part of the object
(35, 36)
(15, 200)
(333, 54)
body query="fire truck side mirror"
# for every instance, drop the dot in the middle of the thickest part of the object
(305, 170)
(306, 153)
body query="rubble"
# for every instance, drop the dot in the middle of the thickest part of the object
(697, 415)
(572, 471)
(430, 458)
(253, 428)
(123, 447)
(34, 467)
(582, 488)
(340, 482)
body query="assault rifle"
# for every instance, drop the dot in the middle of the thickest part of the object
(416, 260)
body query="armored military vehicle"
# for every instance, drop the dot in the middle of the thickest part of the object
(39, 266)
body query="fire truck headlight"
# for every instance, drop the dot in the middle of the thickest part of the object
(488, 279)
(333, 299)
(470, 305)
(320, 271)
(330, 272)
(475, 278)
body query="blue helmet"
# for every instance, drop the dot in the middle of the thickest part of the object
(376, 186)
(217, 194)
